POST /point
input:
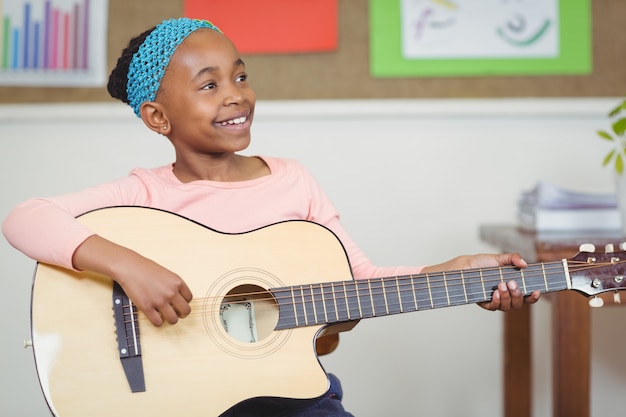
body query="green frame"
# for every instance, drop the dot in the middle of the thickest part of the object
(387, 61)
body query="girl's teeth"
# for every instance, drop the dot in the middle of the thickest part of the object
(236, 121)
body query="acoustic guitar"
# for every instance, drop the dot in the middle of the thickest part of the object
(262, 299)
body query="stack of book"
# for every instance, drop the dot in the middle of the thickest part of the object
(549, 208)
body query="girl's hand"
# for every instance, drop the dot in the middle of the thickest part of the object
(507, 296)
(158, 292)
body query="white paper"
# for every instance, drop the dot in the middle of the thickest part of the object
(480, 28)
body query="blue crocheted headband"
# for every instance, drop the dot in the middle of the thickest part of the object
(150, 61)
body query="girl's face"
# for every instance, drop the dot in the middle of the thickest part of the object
(205, 96)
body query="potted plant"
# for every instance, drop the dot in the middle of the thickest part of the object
(618, 124)
(617, 155)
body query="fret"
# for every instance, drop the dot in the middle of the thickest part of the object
(358, 298)
(310, 303)
(296, 312)
(352, 299)
(455, 287)
(340, 300)
(463, 284)
(392, 297)
(406, 292)
(445, 286)
(524, 290)
(545, 279)
(371, 293)
(346, 300)
(378, 297)
(430, 293)
(439, 292)
(474, 286)
(382, 282)
(366, 303)
(534, 278)
(399, 291)
(329, 301)
(556, 276)
(305, 300)
(323, 301)
(423, 296)
(332, 287)
(414, 292)
(319, 313)
(482, 281)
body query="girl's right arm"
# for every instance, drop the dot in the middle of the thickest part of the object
(158, 292)
(47, 230)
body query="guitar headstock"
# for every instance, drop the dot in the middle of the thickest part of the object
(593, 272)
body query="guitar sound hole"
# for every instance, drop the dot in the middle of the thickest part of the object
(249, 313)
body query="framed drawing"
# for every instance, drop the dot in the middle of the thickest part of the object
(479, 37)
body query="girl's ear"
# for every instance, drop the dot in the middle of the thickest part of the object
(154, 117)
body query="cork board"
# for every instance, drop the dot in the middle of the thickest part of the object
(344, 74)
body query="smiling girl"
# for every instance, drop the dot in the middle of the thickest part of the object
(186, 81)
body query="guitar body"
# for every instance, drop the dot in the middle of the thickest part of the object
(196, 367)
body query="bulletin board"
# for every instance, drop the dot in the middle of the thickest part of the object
(345, 73)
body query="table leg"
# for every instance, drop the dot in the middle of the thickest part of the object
(517, 363)
(571, 330)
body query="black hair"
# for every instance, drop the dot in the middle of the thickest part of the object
(119, 75)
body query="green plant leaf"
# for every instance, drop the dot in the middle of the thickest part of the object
(604, 135)
(620, 126)
(619, 164)
(618, 109)
(608, 158)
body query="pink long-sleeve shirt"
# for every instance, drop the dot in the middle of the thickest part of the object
(46, 229)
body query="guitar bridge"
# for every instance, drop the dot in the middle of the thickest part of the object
(128, 345)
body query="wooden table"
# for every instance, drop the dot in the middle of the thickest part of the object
(571, 324)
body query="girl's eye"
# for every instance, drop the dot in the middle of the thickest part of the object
(209, 86)
(242, 78)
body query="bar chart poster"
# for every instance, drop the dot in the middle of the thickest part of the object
(56, 43)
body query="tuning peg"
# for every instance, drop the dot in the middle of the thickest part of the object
(596, 302)
(616, 298)
(587, 247)
(622, 246)
(28, 343)
(609, 248)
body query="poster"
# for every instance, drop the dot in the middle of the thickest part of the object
(480, 37)
(53, 42)
(272, 26)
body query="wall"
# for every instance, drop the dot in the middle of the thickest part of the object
(413, 180)
(345, 73)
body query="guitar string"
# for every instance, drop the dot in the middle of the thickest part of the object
(417, 283)
(150, 335)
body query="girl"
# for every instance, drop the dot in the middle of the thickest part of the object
(186, 81)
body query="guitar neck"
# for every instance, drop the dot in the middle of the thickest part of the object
(334, 302)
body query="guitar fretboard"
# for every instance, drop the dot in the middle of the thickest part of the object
(334, 302)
